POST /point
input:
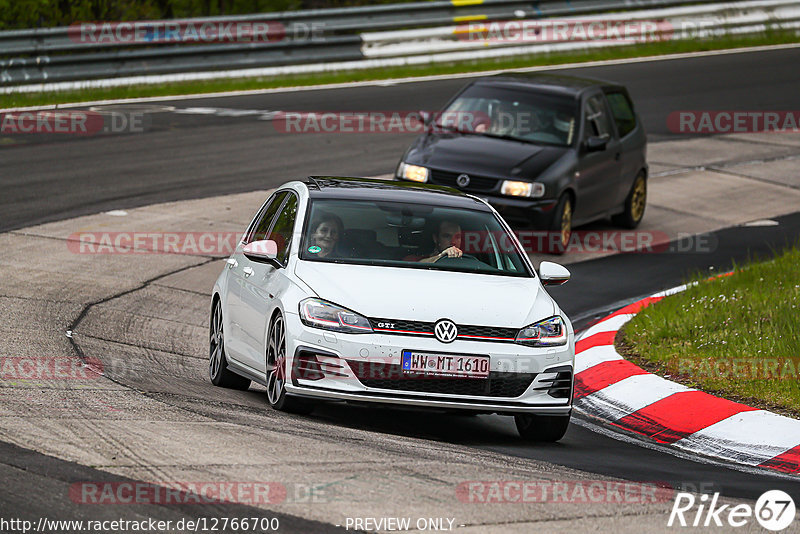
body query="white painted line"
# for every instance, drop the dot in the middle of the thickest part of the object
(434, 77)
(762, 222)
(595, 355)
(629, 395)
(671, 291)
(748, 437)
(608, 325)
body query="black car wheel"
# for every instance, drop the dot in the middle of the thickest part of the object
(562, 225)
(634, 204)
(541, 427)
(217, 362)
(276, 372)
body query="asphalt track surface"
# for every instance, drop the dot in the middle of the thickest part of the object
(192, 156)
(47, 178)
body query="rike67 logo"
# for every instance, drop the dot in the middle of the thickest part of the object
(774, 510)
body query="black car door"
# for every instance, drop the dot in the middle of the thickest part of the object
(599, 166)
(632, 139)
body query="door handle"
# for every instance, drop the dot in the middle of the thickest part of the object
(248, 271)
(232, 263)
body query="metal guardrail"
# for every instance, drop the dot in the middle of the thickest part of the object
(343, 35)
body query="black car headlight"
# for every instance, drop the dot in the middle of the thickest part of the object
(549, 332)
(321, 314)
(414, 173)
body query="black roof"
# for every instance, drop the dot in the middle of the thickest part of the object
(352, 188)
(551, 83)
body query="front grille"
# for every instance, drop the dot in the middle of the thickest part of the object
(390, 376)
(476, 183)
(465, 332)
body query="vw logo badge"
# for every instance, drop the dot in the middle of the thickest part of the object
(462, 180)
(445, 330)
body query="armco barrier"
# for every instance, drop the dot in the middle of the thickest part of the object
(351, 38)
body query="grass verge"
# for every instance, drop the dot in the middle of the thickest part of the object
(242, 84)
(736, 336)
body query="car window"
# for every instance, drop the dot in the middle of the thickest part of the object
(524, 115)
(622, 110)
(596, 121)
(409, 235)
(260, 227)
(283, 228)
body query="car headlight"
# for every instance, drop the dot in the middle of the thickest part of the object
(549, 332)
(522, 189)
(414, 173)
(322, 314)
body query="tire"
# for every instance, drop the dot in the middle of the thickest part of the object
(635, 203)
(562, 223)
(276, 372)
(541, 428)
(218, 370)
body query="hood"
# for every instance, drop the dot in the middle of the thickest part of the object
(482, 155)
(428, 295)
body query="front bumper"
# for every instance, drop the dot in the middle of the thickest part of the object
(534, 213)
(366, 368)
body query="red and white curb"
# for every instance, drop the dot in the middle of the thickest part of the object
(615, 390)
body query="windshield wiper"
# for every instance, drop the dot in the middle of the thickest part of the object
(456, 129)
(508, 137)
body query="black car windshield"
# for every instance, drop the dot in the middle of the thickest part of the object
(410, 235)
(512, 114)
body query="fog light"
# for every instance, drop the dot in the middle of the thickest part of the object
(522, 189)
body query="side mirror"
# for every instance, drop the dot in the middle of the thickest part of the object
(553, 274)
(596, 144)
(261, 251)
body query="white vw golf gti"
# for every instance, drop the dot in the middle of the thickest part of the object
(357, 290)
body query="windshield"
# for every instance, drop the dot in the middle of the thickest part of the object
(513, 114)
(418, 236)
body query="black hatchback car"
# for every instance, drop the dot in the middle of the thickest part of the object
(548, 151)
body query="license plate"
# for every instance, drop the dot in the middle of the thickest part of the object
(450, 365)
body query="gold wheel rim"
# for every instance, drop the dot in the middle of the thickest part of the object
(638, 199)
(566, 223)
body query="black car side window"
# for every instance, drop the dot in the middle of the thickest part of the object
(622, 109)
(283, 228)
(596, 121)
(259, 229)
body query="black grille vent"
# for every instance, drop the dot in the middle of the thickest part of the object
(389, 376)
(465, 332)
(476, 183)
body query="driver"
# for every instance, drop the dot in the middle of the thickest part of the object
(503, 120)
(446, 242)
(325, 233)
